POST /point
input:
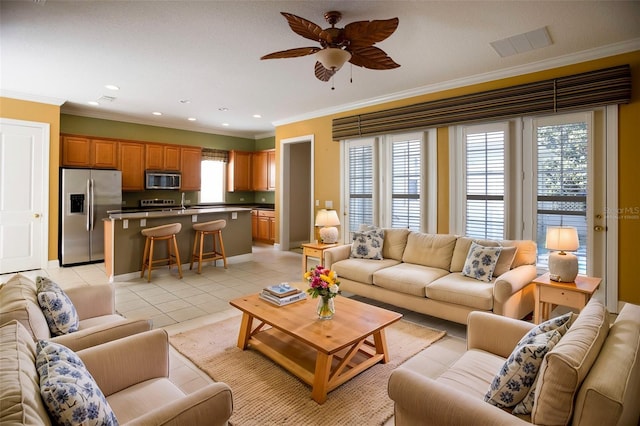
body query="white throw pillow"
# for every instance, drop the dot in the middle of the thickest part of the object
(368, 244)
(58, 310)
(481, 261)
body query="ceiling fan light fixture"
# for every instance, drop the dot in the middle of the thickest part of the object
(333, 58)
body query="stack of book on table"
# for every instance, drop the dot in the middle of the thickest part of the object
(282, 294)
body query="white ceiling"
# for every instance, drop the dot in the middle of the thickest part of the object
(207, 52)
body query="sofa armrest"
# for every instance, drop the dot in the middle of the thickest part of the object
(211, 405)
(513, 281)
(93, 301)
(336, 254)
(494, 333)
(93, 336)
(421, 400)
(121, 363)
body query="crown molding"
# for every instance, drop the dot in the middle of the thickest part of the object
(573, 58)
(32, 98)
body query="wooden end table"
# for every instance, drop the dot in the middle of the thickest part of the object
(313, 250)
(575, 294)
(323, 354)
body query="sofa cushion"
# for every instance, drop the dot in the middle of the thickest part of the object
(434, 250)
(567, 364)
(460, 290)
(68, 389)
(472, 372)
(526, 254)
(407, 278)
(481, 261)
(395, 241)
(518, 374)
(367, 244)
(20, 302)
(20, 401)
(611, 391)
(57, 308)
(361, 270)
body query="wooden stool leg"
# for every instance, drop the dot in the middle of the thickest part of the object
(145, 256)
(150, 260)
(200, 256)
(175, 245)
(169, 253)
(224, 257)
(193, 251)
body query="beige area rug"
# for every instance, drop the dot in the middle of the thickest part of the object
(266, 394)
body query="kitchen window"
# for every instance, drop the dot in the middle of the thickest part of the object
(213, 169)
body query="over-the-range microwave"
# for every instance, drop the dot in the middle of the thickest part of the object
(162, 180)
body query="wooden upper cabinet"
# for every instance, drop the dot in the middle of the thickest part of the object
(239, 171)
(131, 163)
(85, 152)
(190, 168)
(271, 167)
(162, 157)
(263, 170)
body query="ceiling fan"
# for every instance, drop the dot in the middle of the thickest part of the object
(353, 43)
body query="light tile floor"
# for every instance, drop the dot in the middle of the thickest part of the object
(199, 299)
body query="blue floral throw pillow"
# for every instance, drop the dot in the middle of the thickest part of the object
(58, 310)
(481, 261)
(518, 374)
(68, 390)
(368, 244)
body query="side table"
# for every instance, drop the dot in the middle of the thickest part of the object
(574, 295)
(313, 250)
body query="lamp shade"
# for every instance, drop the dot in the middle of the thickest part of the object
(333, 58)
(327, 218)
(563, 238)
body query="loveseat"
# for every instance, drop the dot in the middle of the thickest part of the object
(127, 379)
(95, 307)
(425, 273)
(590, 376)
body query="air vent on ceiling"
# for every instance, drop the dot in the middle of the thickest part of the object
(521, 43)
(106, 99)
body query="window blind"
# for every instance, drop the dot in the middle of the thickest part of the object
(601, 87)
(215, 155)
(360, 186)
(405, 184)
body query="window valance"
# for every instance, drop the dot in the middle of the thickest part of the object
(215, 155)
(595, 88)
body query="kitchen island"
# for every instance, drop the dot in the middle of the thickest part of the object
(124, 243)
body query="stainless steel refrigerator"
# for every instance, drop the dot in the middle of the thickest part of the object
(85, 197)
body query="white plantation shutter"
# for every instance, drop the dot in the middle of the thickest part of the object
(361, 184)
(405, 184)
(485, 184)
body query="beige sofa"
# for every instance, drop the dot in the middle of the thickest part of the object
(95, 305)
(422, 272)
(131, 372)
(590, 377)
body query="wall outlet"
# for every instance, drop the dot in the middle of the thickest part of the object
(194, 218)
(234, 215)
(263, 199)
(317, 203)
(143, 223)
(187, 201)
(241, 199)
(328, 204)
(125, 224)
(124, 203)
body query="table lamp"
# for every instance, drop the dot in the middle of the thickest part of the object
(328, 219)
(563, 267)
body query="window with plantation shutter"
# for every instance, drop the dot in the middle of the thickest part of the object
(485, 184)
(360, 183)
(406, 161)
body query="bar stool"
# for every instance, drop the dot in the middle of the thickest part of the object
(213, 228)
(161, 233)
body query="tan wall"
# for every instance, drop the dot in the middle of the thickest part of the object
(42, 113)
(327, 153)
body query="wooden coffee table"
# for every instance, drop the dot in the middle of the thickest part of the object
(323, 354)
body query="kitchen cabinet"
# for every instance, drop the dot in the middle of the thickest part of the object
(191, 159)
(162, 157)
(265, 226)
(239, 171)
(80, 151)
(131, 163)
(263, 170)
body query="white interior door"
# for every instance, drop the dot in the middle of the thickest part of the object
(24, 196)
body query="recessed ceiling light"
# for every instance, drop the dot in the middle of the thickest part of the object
(191, 119)
(257, 116)
(185, 101)
(112, 87)
(225, 124)
(94, 103)
(223, 109)
(156, 113)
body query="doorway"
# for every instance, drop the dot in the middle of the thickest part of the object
(24, 195)
(296, 194)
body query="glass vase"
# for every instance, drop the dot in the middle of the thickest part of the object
(326, 308)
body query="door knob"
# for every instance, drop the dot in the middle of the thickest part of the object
(36, 215)
(599, 228)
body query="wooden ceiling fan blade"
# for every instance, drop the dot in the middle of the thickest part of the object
(292, 53)
(367, 33)
(322, 73)
(305, 28)
(371, 57)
